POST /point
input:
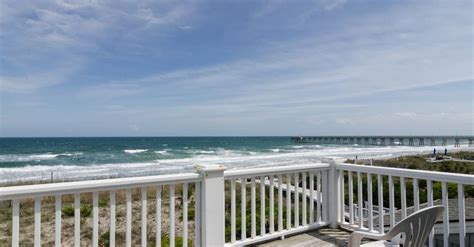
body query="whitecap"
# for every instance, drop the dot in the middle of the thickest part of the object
(135, 151)
(32, 157)
(70, 154)
(163, 152)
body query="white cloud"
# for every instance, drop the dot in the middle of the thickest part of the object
(406, 114)
(31, 82)
(35, 31)
(332, 4)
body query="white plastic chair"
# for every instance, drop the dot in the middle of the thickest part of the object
(412, 231)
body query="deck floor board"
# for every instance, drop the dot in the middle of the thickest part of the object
(325, 237)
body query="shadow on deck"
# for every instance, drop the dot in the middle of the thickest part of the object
(322, 237)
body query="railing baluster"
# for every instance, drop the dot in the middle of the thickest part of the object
(391, 200)
(272, 204)
(303, 197)
(351, 198)
(185, 213)
(416, 194)
(325, 197)
(95, 219)
(144, 215)
(112, 218)
(158, 215)
(253, 206)
(77, 219)
(232, 210)
(444, 190)
(15, 222)
(429, 185)
(343, 210)
(37, 221)
(243, 203)
(172, 215)
(462, 216)
(311, 198)
(319, 204)
(197, 214)
(57, 219)
(262, 205)
(280, 203)
(288, 201)
(380, 199)
(296, 203)
(370, 202)
(403, 195)
(360, 199)
(128, 233)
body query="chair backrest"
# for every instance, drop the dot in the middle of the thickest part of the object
(417, 227)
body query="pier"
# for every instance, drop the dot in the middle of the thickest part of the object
(388, 140)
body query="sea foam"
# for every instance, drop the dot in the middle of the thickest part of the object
(230, 158)
(33, 157)
(135, 151)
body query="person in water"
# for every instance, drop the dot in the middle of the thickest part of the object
(445, 151)
(434, 152)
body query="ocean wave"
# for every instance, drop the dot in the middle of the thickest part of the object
(199, 152)
(232, 159)
(298, 147)
(275, 150)
(33, 157)
(135, 151)
(163, 152)
(70, 154)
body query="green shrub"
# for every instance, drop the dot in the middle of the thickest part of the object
(86, 210)
(68, 211)
(104, 239)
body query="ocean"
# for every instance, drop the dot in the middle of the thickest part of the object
(69, 159)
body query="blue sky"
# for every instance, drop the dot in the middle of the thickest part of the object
(199, 68)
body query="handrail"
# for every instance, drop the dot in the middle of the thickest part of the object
(255, 172)
(14, 192)
(410, 173)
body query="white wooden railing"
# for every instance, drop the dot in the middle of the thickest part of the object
(21, 193)
(375, 220)
(290, 200)
(304, 186)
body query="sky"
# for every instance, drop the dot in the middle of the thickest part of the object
(232, 68)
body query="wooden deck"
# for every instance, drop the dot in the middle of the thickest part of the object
(322, 237)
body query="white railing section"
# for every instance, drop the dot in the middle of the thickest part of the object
(290, 184)
(234, 207)
(21, 194)
(373, 217)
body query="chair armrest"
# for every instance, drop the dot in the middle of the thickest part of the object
(356, 237)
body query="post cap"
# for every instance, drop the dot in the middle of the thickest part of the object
(209, 167)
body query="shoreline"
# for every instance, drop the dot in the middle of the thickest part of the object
(340, 154)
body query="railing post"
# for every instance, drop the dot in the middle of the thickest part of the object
(212, 205)
(333, 190)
